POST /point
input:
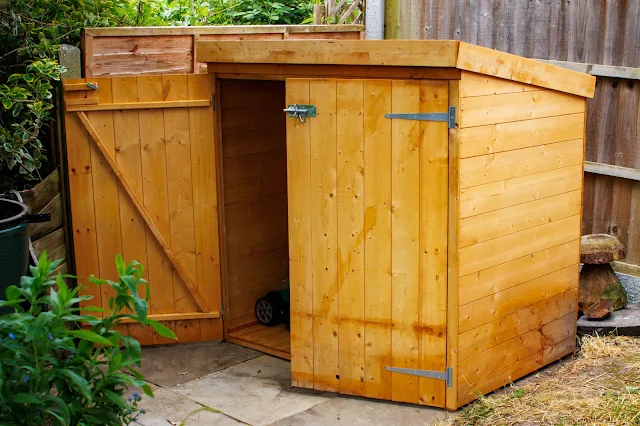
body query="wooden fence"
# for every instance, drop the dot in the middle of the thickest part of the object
(601, 33)
(169, 50)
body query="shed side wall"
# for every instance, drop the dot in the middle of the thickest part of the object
(521, 162)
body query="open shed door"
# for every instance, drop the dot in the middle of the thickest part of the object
(368, 238)
(142, 182)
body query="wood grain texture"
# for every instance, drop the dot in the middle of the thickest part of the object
(405, 242)
(300, 255)
(324, 235)
(377, 243)
(351, 234)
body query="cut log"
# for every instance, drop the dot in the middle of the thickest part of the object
(600, 291)
(598, 249)
(39, 230)
(42, 194)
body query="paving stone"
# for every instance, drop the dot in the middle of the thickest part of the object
(257, 392)
(170, 365)
(359, 411)
(168, 408)
(625, 322)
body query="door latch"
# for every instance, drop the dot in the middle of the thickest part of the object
(301, 111)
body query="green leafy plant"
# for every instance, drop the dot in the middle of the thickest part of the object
(284, 12)
(62, 365)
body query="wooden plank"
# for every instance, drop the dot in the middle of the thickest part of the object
(434, 193)
(498, 223)
(377, 243)
(509, 327)
(506, 275)
(324, 235)
(260, 277)
(253, 165)
(140, 208)
(300, 255)
(106, 199)
(225, 29)
(81, 101)
(517, 349)
(473, 84)
(271, 340)
(123, 106)
(610, 170)
(177, 140)
(142, 45)
(501, 137)
(433, 53)
(257, 210)
(598, 70)
(257, 255)
(507, 165)
(350, 234)
(504, 65)
(178, 317)
(256, 233)
(155, 198)
(285, 70)
(242, 190)
(79, 168)
(130, 64)
(498, 195)
(493, 109)
(490, 253)
(405, 224)
(453, 227)
(507, 375)
(496, 306)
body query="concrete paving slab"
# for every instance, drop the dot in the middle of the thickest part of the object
(168, 408)
(359, 411)
(257, 392)
(170, 365)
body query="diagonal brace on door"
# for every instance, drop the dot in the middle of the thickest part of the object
(184, 275)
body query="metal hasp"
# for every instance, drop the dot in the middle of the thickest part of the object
(448, 117)
(301, 111)
(446, 375)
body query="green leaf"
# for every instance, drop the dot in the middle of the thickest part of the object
(77, 382)
(147, 390)
(90, 336)
(26, 398)
(161, 329)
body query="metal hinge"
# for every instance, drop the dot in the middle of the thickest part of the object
(300, 111)
(448, 117)
(446, 375)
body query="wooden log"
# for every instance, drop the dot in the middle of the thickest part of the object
(39, 230)
(41, 194)
(53, 243)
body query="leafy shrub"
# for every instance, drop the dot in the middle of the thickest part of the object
(53, 371)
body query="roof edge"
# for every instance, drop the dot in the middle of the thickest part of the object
(499, 64)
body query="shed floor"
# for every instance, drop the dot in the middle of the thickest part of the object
(270, 340)
(247, 387)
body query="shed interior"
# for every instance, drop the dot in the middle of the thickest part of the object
(254, 196)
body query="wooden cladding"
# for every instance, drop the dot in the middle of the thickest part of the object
(368, 258)
(170, 50)
(520, 177)
(142, 184)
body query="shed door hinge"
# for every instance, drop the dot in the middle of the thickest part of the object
(446, 375)
(448, 117)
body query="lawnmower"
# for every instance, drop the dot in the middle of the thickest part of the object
(273, 308)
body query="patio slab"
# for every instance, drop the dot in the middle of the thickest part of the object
(257, 392)
(358, 411)
(168, 408)
(170, 365)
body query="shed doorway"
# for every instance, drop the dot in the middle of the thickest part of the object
(254, 200)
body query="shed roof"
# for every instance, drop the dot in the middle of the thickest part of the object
(418, 53)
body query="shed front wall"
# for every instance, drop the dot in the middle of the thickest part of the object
(368, 237)
(520, 181)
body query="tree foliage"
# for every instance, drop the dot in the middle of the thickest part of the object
(32, 30)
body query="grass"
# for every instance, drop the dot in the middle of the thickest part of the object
(599, 385)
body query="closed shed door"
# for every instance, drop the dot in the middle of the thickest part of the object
(142, 183)
(368, 237)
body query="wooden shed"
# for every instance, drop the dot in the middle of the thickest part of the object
(422, 197)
